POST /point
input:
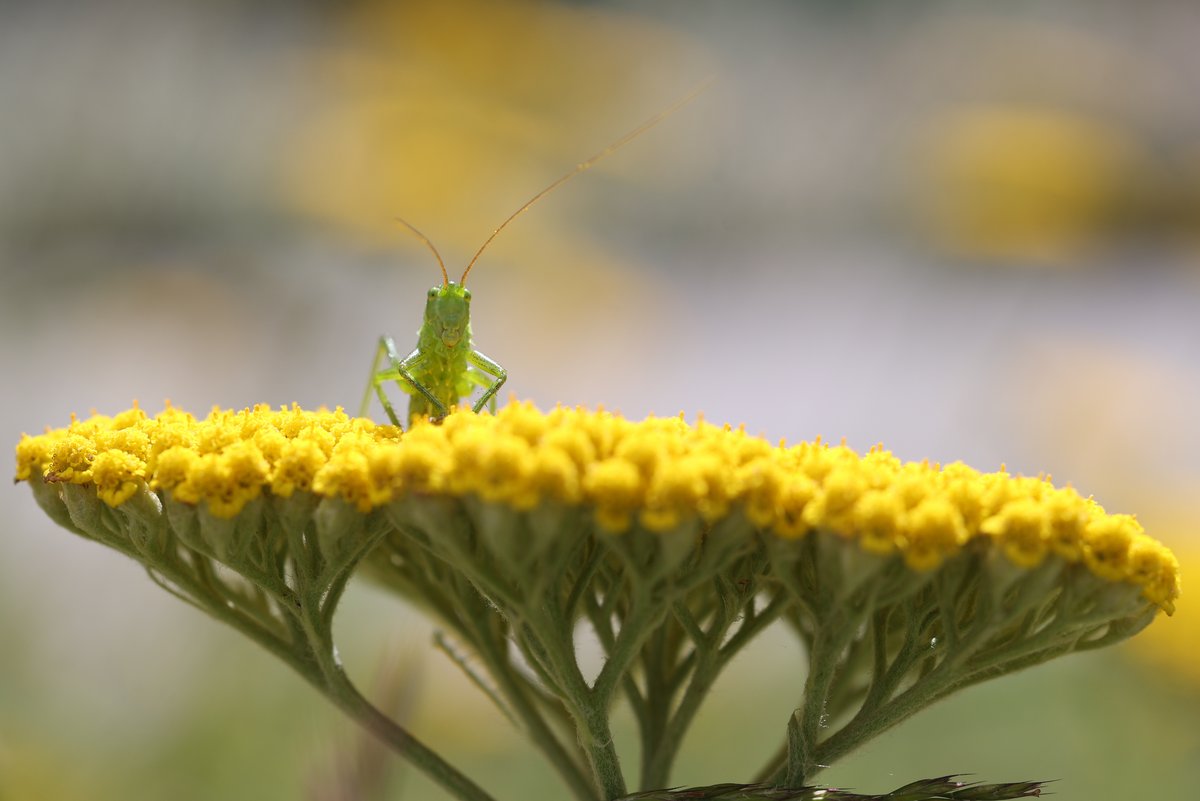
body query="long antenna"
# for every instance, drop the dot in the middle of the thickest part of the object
(428, 244)
(583, 165)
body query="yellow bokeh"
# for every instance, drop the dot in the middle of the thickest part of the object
(1026, 184)
(454, 114)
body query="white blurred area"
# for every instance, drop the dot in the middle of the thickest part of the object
(968, 231)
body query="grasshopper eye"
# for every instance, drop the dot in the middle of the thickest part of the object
(467, 294)
(433, 293)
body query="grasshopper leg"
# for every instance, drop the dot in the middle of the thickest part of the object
(400, 372)
(483, 381)
(372, 384)
(495, 371)
(378, 377)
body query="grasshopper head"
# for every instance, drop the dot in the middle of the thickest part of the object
(448, 312)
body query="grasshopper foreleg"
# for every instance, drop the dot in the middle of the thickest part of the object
(400, 373)
(495, 371)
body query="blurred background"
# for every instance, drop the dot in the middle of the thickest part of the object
(970, 231)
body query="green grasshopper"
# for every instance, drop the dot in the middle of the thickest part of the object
(445, 366)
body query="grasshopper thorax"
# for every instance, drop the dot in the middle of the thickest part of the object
(448, 313)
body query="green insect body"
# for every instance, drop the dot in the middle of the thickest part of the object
(439, 371)
(445, 367)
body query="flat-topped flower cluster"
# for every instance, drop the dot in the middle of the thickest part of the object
(655, 474)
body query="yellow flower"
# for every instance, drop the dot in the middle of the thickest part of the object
(655, 474)
(676, 542)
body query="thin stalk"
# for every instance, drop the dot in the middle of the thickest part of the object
(527, 713)
(634, 630)
(710, 660)
(325, 673)
(587, 705)
(346, 697)
(316, 664)
(805, 722)
(653, 723)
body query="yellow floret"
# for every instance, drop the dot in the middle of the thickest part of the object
(762, 482)
(796, 494)
(219, 430)
(1023, 530)
(673, 495)
(71, 459)
(33, 454)
(932, 532)
(502, 471)
(556, 476)
(271, 443)
(1068, 514)
(295, 466)
(525, 421)
(246, 467)
(573, 441)
(615, 488)
(1107, 540)
(877, 518)
(643, 452)
(959, 484)
(133, 441)
(347, 475)
(833, 508)
(721, 485)
(117, 475)
(1155, 569)
(422, 466)
(128, 419)
(172, 467)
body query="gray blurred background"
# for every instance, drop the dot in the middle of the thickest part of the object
(967, 230)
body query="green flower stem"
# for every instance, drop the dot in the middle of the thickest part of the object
(309, 649)
(343, 693)
(492, 652)
(961, 666)
(865, 726)
(551, 647)
(656, 664)
(646, 712)
(326, 675)
(462, 606)
(805, 723)
(601, 750)
(647, 613)
(710, 659)
(886, 678)
(588, 713)
(323, 669)
(183, 585)
(645, 618)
